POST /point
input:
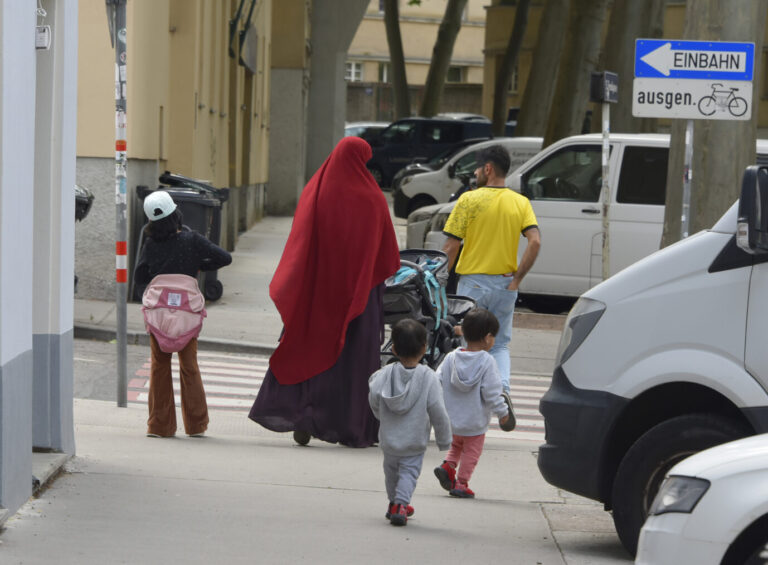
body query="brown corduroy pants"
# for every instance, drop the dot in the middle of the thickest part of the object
(162, 407)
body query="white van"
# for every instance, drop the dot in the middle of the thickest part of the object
(434, 187)
(662, 360)
(564, 184)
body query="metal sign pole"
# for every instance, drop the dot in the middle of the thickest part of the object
(606, 190)
(687, 175)
(116, 16)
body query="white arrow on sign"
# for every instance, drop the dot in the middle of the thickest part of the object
(665, 58)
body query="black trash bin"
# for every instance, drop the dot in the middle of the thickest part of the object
(200, 203)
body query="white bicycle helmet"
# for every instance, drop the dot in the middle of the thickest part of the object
(158, 205)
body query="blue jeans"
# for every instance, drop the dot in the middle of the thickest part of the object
(490, 292)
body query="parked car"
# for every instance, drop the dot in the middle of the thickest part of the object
(367, 130)
(413, 138)
(660, 361)
(564, 184)
(422, 165)
(712, 509)
(438, 185)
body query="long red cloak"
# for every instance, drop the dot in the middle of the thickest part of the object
(342, 244)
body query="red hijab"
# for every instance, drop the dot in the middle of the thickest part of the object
(342, 244)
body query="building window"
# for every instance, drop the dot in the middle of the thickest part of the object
(455, 74)
(353, 71)
(381, 6)
(384, 72)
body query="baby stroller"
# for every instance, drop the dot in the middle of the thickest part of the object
(417, 291)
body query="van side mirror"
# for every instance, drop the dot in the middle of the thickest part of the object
(451, 170)
(514, 181)
(752, 223)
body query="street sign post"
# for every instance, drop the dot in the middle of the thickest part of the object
(604, 87)
(692, 80)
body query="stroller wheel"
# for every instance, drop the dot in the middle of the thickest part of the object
(302, 438)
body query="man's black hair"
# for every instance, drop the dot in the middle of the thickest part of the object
(478, 323)
(408, 338)
(497, 156)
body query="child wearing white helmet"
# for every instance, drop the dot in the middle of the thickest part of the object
(170, 260)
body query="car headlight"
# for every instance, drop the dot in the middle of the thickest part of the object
(406, 180)
(679, 494)
(580, 321)
(438, 222)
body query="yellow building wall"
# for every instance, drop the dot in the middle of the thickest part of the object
(95, 83)
(180, 78)
(418, 29)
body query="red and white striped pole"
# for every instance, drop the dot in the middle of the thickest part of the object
(116, 15)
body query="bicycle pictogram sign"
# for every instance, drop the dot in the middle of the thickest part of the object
(723, 99)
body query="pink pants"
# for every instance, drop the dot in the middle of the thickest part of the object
(464, 453)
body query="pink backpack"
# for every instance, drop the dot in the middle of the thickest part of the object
(173, 309)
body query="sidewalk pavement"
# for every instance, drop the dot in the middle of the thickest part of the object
(244, 494)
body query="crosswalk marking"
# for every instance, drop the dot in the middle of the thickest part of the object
(232, 381)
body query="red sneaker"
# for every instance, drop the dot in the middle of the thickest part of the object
(462, 491)
(446, 475)
(399, 515)
(408, 510)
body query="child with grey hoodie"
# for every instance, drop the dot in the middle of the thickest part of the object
(406, 398)
(472, 391)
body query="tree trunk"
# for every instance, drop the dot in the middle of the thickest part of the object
(396, 59)
(539, 88)
(441, 56)
(580, 55)
(504, 72)
(721, 148)
(630, 20)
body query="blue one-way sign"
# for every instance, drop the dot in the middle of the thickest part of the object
(713, 60)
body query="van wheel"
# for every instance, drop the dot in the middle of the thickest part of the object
(749, 545)
(542, 304)
(419, 202)
(647, 462)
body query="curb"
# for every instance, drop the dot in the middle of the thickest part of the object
(97, 333)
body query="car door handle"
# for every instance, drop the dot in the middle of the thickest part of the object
(590, 210)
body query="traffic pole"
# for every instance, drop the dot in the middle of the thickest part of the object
(685, 217)
(117, 21)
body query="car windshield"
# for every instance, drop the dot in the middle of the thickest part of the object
(439, 160)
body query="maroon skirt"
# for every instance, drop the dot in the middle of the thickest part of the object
(333, 405)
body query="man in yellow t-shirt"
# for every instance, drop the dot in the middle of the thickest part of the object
(490, 220)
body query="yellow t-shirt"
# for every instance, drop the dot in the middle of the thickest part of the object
(490, 221)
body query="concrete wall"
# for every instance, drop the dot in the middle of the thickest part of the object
(17, 146)
(37, 137)
(53, 264)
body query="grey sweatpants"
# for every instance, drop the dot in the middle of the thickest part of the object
(400, 476)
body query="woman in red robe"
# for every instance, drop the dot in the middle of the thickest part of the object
(328, 289)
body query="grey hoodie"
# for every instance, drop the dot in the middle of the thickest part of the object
(472, 390)
(408, 402)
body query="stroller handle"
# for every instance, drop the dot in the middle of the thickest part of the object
(416, 266)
